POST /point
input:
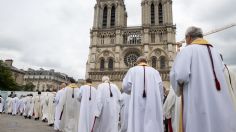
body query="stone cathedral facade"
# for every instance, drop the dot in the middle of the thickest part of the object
(115, 47)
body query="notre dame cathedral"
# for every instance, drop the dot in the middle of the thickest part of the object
(114, 47)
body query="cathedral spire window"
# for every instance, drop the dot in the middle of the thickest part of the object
(104, 20)
(160, 13)
(152, 14)
(113, 16)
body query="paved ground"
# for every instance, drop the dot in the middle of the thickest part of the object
(10, 123)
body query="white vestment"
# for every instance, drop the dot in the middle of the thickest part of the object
(45, 106)
(37, 106)
(1, 104)
(29, 106)
(51, 107)
(145, 114)
(70, 107)
(9, 105)
(205, 108)
(107, 108)
(21, 105)
(172, 109)
(87, 97)
(124, 112)
(57, 112)
(231, 82)
(15, 105)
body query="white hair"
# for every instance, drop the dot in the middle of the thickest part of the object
(194, 32)
(105, 79)
(141, 59)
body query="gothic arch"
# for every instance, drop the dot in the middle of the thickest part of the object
(106, 54)
(159, 52)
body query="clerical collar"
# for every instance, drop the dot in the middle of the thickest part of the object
(142, 64)
(200, 41)
(73, 85)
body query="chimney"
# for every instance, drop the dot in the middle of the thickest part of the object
(9, 62)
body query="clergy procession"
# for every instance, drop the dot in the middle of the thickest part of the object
(201, 97)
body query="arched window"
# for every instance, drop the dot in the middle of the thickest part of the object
(152, 14)
(113, 16)
(104, 20)
(160, 11)
(102, 64)
(162, 62)
(110, 64)
(154, 62)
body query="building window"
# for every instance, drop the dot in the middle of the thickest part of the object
(102, 64)
(160, 11)
(162, 62)
(110, 64)
(152, 14)
(154, 62)
(104, 20)
(113, 16)
(152, 37)
(102, 40)
(131, 58)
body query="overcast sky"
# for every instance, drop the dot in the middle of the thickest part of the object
(54, 34)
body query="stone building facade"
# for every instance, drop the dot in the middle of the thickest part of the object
(17, 74)
(114, 47)
(45, 79)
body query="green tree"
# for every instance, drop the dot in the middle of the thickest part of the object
(6, 80)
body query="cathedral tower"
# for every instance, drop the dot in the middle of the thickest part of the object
(114, 47)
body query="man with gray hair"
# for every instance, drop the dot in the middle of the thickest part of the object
(144, 85)
(107, 107)
(197, 75)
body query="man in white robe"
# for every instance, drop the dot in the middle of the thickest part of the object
(15, 104)
(28, 113)
(37, 106)
(9, 105)
(108, 107)
(45, 107)
(171, 110)
(51, 108)
(57, 112)
(1, 104)
(197, 75)
(124, 112)
(69, 108)
(87, 97)
(21, 105)
(145, 86)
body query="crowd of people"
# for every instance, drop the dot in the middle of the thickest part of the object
(202, 98)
